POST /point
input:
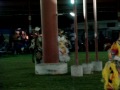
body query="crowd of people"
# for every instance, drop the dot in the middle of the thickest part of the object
(20, 42)
(16, 43)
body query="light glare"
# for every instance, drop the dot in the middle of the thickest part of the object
(84, 8)
(72, 1)
(72, 14)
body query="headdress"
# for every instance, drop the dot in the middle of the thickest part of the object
(37, 28)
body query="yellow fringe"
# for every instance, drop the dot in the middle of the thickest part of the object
(107, 75)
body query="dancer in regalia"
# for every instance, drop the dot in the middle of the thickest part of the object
(111, 71)
(63, 47)
(36, 46)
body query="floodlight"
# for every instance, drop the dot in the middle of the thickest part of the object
(72, 14)
(72, 1)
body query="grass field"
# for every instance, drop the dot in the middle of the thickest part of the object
(17, 73)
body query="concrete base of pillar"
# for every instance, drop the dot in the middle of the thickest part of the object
(87, 68)
(97, 65)
(77, 70)
(51, 68)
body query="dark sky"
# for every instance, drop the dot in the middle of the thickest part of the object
(14, 13)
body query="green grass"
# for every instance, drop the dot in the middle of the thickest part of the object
(17, 73)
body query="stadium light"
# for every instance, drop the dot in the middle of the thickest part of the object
(72, 14)
(72, 1)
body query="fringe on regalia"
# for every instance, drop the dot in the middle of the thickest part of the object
(111, 76)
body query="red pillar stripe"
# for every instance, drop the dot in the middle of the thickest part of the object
(95, 28)
(86, 29)
(49, 30)
(76, 33)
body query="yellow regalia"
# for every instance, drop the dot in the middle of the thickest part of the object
(111, 71)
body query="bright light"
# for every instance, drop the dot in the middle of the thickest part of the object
(94, 7)
(84, 8)
(72, 14)
(72, 1)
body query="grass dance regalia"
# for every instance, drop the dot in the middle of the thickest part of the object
(63, 44)
(111, 71)
(36, 46)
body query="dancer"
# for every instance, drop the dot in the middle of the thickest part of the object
(36, 46)
(111, 71)
(63, 47)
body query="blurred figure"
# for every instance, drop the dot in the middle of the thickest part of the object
(3, 43)
(101, 41)
(17, 41)
(111, 71)
(63, 45)
(63, 52)
(2, 38)
(36, 46)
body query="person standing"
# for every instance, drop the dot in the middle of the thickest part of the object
(36, 46)
(111, 70)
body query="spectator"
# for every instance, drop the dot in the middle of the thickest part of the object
(1, 38)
